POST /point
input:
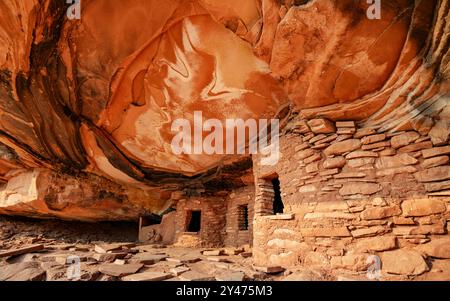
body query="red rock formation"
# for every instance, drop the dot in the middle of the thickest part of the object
(95, 98)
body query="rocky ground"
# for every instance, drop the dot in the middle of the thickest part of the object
(49, 250)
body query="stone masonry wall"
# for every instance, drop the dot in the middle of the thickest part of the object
(212, 230)
(235, 236)
(354, 192)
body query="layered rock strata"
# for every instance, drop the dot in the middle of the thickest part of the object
(97, 96)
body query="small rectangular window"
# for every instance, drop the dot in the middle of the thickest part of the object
(243, 217)
(278, 206)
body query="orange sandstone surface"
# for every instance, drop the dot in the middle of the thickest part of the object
(86, 106)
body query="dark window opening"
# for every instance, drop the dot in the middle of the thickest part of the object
(243, 217)
(194, 221)
(277, 202)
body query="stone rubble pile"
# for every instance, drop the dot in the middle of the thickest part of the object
(128, 262)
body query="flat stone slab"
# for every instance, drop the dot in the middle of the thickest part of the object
(105, 248)
(250, 273)
(120, 261)
(438, 248)
(218, 259)
(23, 250)
(196, 276)
(304, 276)
(270, 270)
(231, 276)
(350, 278)
(149, 248)
(222, 265)
(404, 262)
(288, 216)
(147, 276)
(60, 246)
(187, 259)
(81, 248)
(23, 258)
(233, 251)
(212, 252)
(64, 259)
(116, 270)
(25, 271)
(109, 257)
(148, 258)
(179, 270)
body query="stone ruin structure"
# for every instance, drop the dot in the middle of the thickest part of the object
(346, 193)
(351, 192)
(86, 107)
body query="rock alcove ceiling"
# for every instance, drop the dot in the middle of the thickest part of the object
(88, 104)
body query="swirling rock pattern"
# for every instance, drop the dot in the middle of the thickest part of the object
(97, 96)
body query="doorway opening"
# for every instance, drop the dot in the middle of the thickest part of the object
(194, 220)
(278, 206)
